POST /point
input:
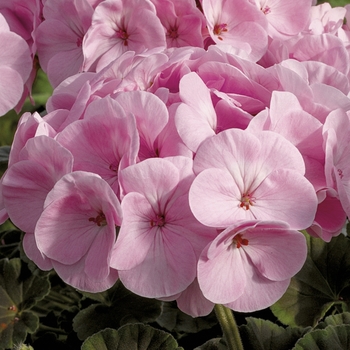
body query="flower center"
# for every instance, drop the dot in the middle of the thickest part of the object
(265, 10)
(172, 33)
(122, 34)
(238, 241)
(114, 167)
(220, 28)
(246, 201)
(99, 220)
(159, 221)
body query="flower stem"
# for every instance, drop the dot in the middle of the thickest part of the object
(229, 327)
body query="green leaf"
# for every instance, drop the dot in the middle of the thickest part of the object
(131, 337)
(323, 283)
(332, 337)
(335, 320)
(260, 334)
(213, 344)
(19, 291)
(174, 320)
(42, 89)
(23, 347)
(120, 307)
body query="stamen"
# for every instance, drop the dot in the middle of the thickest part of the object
(122, 34)
(266, 10)
(246, 201)
(158, 221)
(220, 28)
(99, 220)
(239, 241)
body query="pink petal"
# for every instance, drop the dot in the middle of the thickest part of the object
(221, 278)
(259, 292)
(168, 269)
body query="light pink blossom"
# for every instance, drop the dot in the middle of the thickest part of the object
(248, 266)
(116, 28)
(238, 24)
(15, 67)
(25, 185)
(77, 230)
(104, 142)
(245, 176)
(60, 36)
(160, 240)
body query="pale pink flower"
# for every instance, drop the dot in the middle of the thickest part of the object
(245, 176)
(29, 126)
(286, 117)
(25, 185)
(15, 67)
(182, 21)
(195, 118)
(326, 48)
(104, 142)
(77, 230)
(193, 302)
(285, 18)
(116, 28)
(237, 23)
(336, 133)
(151, 117)
(326, 19)
(159, 242)
(330, 216)
(60, 36)
(23, 18)
(248, 266)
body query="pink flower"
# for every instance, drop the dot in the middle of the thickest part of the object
(336, 133)
(160, 240)
(182, 21)
(237, 23)
(104, 142)
(325, 19)
(23, 18)
(246, 176)
(195, 118)
(25, 185)
(287, 118)
(60, 36)
(248, 266)
(285, 18)
(116, 28)
(15, 67)
(151, 117)
(77, 230)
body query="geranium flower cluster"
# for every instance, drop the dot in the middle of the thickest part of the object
(184, 147)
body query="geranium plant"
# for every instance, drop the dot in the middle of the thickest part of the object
(178, 177)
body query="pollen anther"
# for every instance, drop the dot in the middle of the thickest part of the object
(239, 241)
(246, 201)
